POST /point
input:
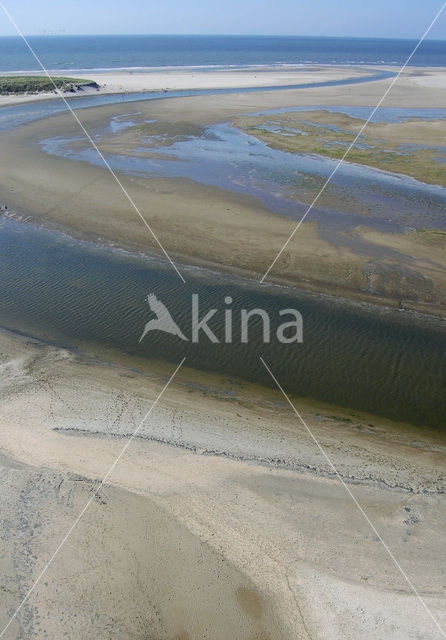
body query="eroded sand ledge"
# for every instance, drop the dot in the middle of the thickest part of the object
(187, 542)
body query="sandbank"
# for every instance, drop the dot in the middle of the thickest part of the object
(137, 81)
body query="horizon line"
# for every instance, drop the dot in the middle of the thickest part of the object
(217, 35)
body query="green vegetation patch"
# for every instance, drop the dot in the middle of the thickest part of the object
(409, 148)
(38, 84)
(163, 134)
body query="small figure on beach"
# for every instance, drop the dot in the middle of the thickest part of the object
(163, 320)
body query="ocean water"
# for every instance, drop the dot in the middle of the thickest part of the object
(78, 53)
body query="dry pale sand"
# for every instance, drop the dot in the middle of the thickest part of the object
(222, 520)
(431, 81)
(131, 81)
(175, 80)
(208, 226)
(431, 78)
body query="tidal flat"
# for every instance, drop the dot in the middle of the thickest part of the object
(222, 519)
(203, 179)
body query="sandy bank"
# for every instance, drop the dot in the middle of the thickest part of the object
(131, 81)
(416, 86)
(189, 499)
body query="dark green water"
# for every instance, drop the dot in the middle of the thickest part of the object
(73, 293)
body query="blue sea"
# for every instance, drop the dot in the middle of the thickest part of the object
(77, 53)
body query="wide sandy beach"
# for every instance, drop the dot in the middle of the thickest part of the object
(134, 81)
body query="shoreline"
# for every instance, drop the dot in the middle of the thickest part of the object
(133, 80)
(163, 80)
(279, 446)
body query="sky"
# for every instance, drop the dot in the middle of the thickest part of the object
(362, 18)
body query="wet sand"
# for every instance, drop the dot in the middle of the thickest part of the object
(222, 519)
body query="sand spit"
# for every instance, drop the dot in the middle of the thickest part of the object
(136, 81)
(413, 84)
(185, 541)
